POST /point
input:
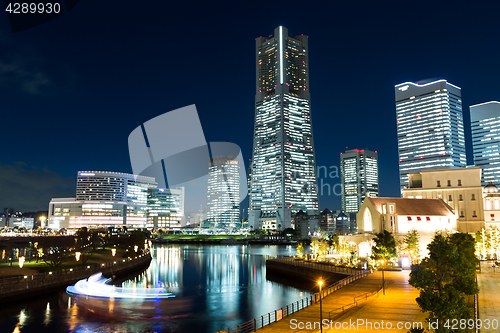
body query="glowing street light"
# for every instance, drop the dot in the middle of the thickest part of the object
(383, 277)
(77, 256)
(21, 263)
(113, 252)
(136, 248)
(320, 282)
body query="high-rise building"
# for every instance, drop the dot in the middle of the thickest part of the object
(485, 123)
(103, 199)
(223, 192)
(430, 127)
(283, 161)
(359, 178)
(165, 208)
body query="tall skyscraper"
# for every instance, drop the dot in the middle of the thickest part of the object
(485, 123)
(283, 162)
(165, 208)
(223, 193)
(430, 127)
(359, 178)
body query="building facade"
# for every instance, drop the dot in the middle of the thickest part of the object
(359, 178)
(485, 124)
(460, 188)
(429, 126)
(223, 192)
(165, 208)
(283, 171)
(114, 199)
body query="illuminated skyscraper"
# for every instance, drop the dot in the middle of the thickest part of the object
(485, 123)
(223, 193)
(165, 207)
(430, 127)
(283, 173)
(359, 179)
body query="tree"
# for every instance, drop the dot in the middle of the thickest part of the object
(323, 248)
(56, 250)
(385, 247)
(315, 246)
(445, 278)
(300, 250)
(488, 243)
(411, 244)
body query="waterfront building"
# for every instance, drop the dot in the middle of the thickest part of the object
(429, 126)
(485, 124)
(103, 199)
(460, 188)
(223, 192)
(283, 174)
(327, 221)
(166, 208)
(401, 215)
(359, 179)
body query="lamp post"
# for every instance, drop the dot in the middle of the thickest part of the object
(113, 252)
(383, 277)
(21, 263)
(77, 256)
(320, 282)
(135, 248)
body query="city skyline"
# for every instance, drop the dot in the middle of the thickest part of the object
(72, 108)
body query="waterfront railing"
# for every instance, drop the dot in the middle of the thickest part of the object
(318, 266)
(277, 315)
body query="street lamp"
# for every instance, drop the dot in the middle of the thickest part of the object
(135, 248)
(21, 263)
(113, 252)
(77, 256)
(383, 277)
(320, 282)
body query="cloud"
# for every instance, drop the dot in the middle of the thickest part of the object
(27, 188)
(24, 72)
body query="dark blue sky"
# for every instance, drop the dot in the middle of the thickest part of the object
(74, 88)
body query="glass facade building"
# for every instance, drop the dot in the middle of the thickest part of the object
(223, 193)
(430, 127)
(283, 175)
(165, 208)
(116, 199)
(485, 123)
(359, 178)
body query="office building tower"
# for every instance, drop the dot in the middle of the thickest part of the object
(485, 123)
(359, 178)
(165, 208)
(103, 199)
(223, 192)
(283, 158)
(430, 127)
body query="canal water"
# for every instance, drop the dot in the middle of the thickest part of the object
(225, 284)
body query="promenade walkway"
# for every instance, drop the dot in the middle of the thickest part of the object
(488, 301)
(397, 306)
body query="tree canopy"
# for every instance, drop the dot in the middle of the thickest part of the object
(385, 246)
(446, 277)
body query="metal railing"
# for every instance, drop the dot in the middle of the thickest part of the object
(276, 315)
(23, 283)
(318, 266)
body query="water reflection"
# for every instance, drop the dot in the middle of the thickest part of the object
(227, 283)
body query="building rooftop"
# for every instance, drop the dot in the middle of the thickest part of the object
(421, 207)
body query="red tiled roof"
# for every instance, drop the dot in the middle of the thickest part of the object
(422, 207)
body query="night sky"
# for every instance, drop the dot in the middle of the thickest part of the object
(74, 88)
